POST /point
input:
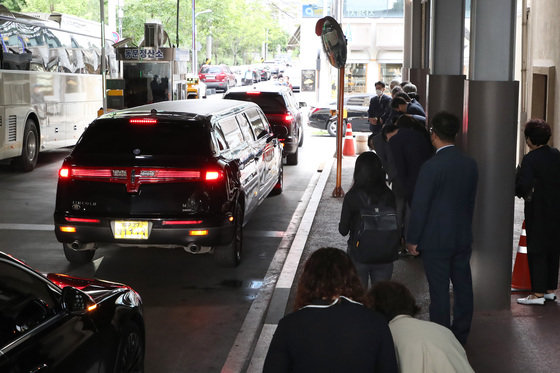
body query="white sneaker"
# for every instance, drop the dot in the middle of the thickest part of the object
(550, 296)
(531, 299)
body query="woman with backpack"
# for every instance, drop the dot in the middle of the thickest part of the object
(369, 215)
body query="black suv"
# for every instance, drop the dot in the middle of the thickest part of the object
(281, 109)
(180, 173)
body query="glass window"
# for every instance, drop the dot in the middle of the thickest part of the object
(270, 103)
(117, 137)
(374, 8)
(390, 71)
(355, 78)
(220, 138)
(26, 301)
(259, 126)
(245, 127)
(231, 131)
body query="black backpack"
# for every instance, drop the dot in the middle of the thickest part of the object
(378, 235)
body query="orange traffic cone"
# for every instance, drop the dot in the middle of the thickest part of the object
(349, 149)
(521, 279)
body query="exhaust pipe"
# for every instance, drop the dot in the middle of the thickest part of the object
(192, 248)
(76, 245)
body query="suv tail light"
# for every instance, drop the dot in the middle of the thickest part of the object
(147, 121)
(213, 175)
(280, 118)
(221, 76)
(132, 177)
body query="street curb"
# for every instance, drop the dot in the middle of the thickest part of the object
(295, 237)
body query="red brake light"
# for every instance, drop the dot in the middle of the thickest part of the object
(82, 220)
(64, 172)
(253, 93)
(288, 117)
(142, 121)
(213, 175)
(180, 222)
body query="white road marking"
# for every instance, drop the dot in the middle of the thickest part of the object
(27, 227)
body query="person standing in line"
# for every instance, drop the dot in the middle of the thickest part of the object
(538, 182)
(421, 346)
(369, 188)
(379, 109)
(330, 331)
(440, 226)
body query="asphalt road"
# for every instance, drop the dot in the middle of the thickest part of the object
(193, 308)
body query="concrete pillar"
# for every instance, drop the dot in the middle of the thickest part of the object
(415, 47)
(446, 82)
(492, 135)
(491, 129)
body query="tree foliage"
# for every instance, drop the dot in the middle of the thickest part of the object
(239, 28)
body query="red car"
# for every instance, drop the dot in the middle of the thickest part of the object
(219, 77)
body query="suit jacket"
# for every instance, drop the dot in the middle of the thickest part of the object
(409, 150)
(443, 203)
(342, 337)
(380, 107)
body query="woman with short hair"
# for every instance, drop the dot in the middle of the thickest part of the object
(538, 182)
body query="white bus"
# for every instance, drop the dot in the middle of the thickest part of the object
(50, 84)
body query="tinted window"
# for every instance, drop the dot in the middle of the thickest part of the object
(270, 103)
(119, 137)
(245, 128)
(358, 101)
(231, 131)
(25, 302)
(259, 127)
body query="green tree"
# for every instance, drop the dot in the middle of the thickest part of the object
(239, 28)
(13, 5)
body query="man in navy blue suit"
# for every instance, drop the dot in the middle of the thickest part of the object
(440, 226)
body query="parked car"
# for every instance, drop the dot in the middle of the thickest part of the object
(356, 106)
(281, 109)
(177, 173)
(58, 323)
(219, 77)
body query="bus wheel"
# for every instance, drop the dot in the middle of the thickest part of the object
(30, 149)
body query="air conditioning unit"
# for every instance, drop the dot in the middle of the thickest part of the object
(153, 34)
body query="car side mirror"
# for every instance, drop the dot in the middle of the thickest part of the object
(302, 104)
(76, 302)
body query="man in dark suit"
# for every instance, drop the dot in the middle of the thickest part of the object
(440, 226)
(379, 109)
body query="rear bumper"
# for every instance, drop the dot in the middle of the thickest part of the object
(158, 235)
(221, 85)
(291, 145)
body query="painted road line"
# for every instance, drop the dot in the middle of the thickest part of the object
(27, 227)
(246, 343)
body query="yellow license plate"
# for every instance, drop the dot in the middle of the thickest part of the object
(137, 230)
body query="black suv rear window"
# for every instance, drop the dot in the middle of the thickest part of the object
(119, 137)
(270, 102)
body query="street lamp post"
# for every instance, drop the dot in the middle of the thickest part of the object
(194, 15)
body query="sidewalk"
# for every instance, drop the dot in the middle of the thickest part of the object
(522, 339)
